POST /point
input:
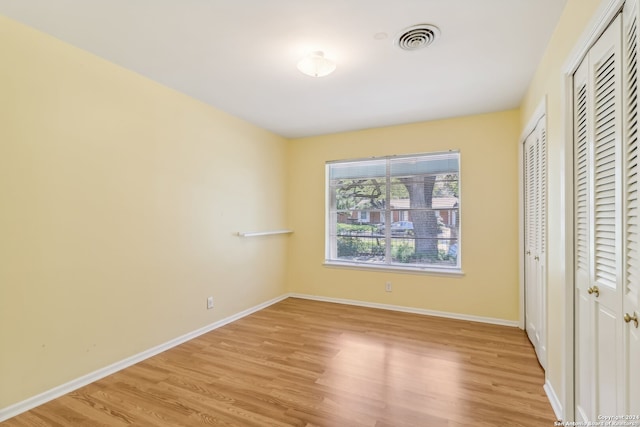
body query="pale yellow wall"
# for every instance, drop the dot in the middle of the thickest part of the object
(548, 81)
(118, 203)
(489, 215)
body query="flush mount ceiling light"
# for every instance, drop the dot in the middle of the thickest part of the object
(316, 65)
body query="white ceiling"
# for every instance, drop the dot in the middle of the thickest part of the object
(241, 55)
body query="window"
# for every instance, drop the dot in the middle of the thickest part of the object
(412, 209)
(363, 216)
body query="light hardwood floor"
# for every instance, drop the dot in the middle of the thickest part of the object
(309, 363)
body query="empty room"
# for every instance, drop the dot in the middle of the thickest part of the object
(319, 213)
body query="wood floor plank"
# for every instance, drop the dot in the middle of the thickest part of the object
(310, 363)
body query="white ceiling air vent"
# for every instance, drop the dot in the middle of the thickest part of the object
(417, 37)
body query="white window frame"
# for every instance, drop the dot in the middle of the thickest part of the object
(387, 214)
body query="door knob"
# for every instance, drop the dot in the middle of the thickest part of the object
(528, 252)
(537, 258)
(594, 290)
(628, 318)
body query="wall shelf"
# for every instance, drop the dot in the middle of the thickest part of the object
(262, 233)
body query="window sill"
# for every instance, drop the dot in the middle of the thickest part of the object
(396, 268)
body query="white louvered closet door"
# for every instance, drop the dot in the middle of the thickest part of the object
(598, 147)
(541, 246)
(535, 238)
(606, 77)
(530, 181)
(631, 211)
(584, 360)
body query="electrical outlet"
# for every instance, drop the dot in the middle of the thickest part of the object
(209, 303)
(387, 287)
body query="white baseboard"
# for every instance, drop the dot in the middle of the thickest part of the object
(457, 316)
(32, 402)
(553, 399)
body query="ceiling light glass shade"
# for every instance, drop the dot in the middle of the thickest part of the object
(316, 65)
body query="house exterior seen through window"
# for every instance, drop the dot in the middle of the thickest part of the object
(397, 212)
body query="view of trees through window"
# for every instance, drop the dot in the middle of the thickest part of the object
(396, 210)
